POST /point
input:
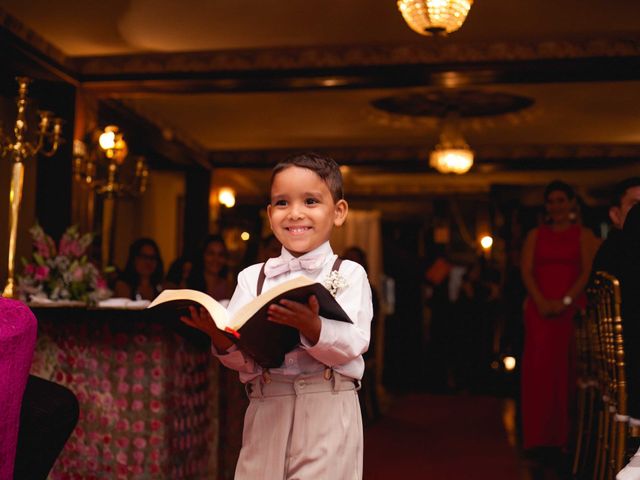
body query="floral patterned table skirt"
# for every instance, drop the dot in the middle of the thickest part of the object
(147, 393)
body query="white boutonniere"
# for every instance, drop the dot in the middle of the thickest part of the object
(334, 282)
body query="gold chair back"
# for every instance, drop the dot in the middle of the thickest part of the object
(612, 377)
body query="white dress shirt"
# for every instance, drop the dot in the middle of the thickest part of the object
(340, 345)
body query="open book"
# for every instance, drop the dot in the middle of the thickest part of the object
(267, 342)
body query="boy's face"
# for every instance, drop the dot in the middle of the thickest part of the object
(302, 212)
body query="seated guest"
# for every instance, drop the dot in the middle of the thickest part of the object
(48, 415)
(178, 273)
(210, 271)
(608, 258)
(142, 276)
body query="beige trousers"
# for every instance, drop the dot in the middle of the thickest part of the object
(302, 428)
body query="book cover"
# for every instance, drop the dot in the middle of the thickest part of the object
(267, 342)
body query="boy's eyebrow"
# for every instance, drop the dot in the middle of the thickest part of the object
(317, 193)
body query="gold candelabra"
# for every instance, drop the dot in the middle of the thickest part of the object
(18, 150)
(112, 150)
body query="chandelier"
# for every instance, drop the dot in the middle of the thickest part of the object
(99, 166)
(434, 17)
(451, 154)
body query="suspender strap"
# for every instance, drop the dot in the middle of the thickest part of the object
(336, 264)
(262, 276)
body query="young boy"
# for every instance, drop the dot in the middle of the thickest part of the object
(303, 420)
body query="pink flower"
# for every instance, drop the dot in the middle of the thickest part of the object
(138, 457)
(41, 273)
(121, 458)
(137, 388)
(122, 425)
(44, 248)
(101, 283)
(155, 406)
(156, 388)
(77, 275)
(140, 443)
(122, 442)
(155, 425)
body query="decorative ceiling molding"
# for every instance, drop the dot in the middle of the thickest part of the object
(465, 102)
(529, 157)
(354, 56)
(33, 39)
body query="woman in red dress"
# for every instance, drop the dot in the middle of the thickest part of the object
(556, 262)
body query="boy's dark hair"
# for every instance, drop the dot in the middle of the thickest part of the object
(621, 188)
(559, 185)
(326, 168)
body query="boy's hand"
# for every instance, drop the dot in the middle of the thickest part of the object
(201, 320)
(299, 316)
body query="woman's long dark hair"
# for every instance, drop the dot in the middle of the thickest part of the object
(196, 276)
(130, 276)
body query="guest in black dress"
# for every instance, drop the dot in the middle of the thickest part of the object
(142, 277)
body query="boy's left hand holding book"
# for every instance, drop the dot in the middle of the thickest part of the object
(302, 317)
(201, 320)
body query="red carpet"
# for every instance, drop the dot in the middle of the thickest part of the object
(441, 438)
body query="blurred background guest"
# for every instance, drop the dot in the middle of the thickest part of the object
(368, 394)
(609, 258)
(270, 247)
(210, 271)
(629, 276)
(143, 274)
(178, 273)
(556, 263)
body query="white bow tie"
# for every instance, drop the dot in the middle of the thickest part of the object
(278, 266)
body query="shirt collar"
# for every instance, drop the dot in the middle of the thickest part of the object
(324, 249)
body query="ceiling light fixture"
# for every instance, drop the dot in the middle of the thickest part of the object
(451, 154)
(434, 17)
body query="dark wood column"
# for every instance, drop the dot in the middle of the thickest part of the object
(196, 208)
(54, 176)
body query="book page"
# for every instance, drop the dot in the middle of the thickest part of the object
(182, 297)
(253, 306)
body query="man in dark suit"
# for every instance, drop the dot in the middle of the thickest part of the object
(609, 257)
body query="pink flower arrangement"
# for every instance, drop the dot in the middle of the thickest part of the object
(62, 273)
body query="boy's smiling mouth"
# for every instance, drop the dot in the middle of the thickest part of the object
(297, 230)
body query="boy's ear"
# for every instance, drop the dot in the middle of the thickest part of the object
(340, 212)
(269, 215)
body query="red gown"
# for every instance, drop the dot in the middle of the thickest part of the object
(548, 376)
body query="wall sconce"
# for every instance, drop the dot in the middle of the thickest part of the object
(227, 197)
(111, 150)
(18, 150)
(486, 242)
